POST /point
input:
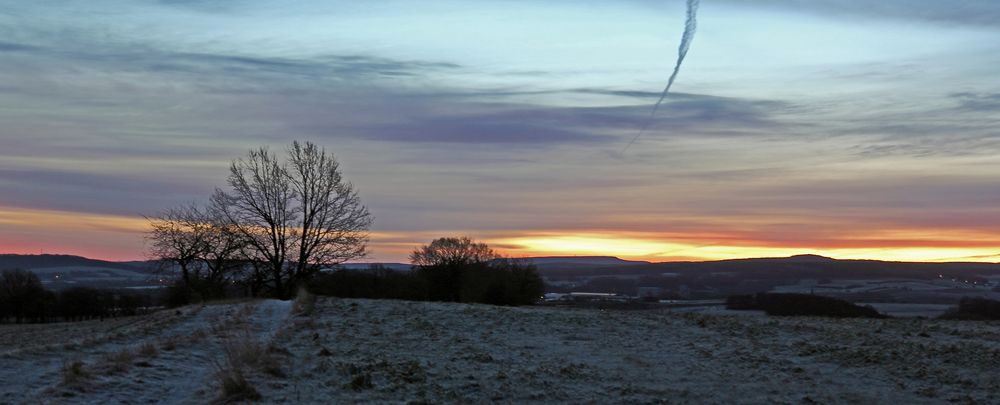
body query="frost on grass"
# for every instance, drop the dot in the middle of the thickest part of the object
(363, 351)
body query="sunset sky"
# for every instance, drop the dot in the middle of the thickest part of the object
(846, 128)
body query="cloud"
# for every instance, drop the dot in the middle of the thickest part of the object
(965, 12)
(980, 102)
(13, 47)
(454, 120)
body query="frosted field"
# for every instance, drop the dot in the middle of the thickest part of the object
(395, 352)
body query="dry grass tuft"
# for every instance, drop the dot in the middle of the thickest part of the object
(73, 373)
(120, 361)
(147, 350)
(243, 350)
(242, 353)
(169, 344)
(235, 387)
(304, 303)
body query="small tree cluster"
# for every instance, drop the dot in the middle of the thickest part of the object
(279, 223)
(24, 299)
(448, 269)
(462, 270)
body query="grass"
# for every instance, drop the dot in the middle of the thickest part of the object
(304, 303)
(241, 354)
(235, 387)
(120, 361)
(73, 373)
(147, 350)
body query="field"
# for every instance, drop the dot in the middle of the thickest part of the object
(392, 351)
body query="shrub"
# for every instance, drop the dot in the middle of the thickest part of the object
(801, 305)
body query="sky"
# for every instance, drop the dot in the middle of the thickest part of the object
(838, 127)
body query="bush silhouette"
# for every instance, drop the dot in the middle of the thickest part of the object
(801, 305)
(970, 308)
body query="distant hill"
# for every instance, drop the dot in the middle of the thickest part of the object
(582, 260)
(365, 266)
(11, 261)
(877, 281)
(710, 279)
(65, 271)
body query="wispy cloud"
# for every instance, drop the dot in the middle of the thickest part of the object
(980, 102)
(971, 12)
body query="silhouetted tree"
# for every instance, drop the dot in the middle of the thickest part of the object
(461, 250)
(296, 216)
(224, 256)
(199, 242)
(178, 237)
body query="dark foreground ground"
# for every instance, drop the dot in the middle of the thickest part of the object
(352, 351)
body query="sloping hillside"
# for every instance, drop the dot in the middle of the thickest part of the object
(352, 351)
(63, 271)
(12, 261)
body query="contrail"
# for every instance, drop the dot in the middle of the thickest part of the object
(690, 26)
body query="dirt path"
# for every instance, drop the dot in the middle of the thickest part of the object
(167, 357)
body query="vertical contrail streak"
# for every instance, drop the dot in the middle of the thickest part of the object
(690, 26)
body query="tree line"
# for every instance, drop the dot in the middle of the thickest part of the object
(23, 299)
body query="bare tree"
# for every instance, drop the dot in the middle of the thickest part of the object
(333, 224)
(201, 243)
(178, 236)
(295, 216)
(261, 209)
(224, 254)
(452, 251)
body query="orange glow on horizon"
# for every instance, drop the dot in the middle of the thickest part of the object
(98, 236)
(630, 246)
(117, 237)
